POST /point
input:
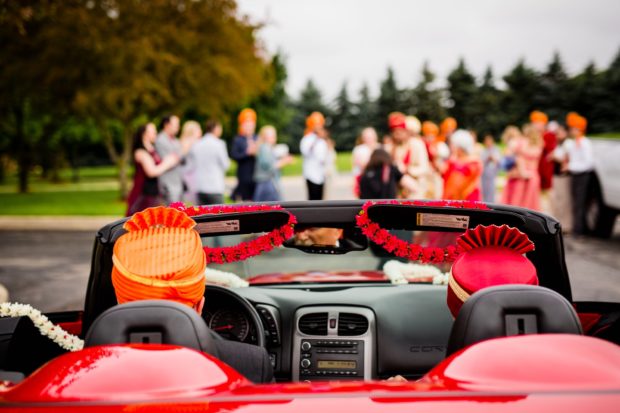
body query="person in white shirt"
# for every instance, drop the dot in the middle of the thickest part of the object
(208, 160)
(314, 150)
(579, 161)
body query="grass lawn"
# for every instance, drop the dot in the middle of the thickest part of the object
(608, 135)
(96, 192)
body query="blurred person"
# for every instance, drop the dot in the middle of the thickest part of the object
(490, 158)
(579, 164)
(561, 200)
(446, 129)
(438, 152)
(267, 168)
(148, 167)
(463, 170)
(523, 184)
(191, 132)
(208, 161)
(171, 182)
(381, 178)
(315, 152)
(510, 134)
(540, 121)
(331, 168)
(366, 143)
(409, 154)
(243, 151)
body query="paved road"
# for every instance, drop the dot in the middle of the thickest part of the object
(49, 269)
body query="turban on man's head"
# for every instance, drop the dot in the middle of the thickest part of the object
(448, 125)
(575, 120)
(397, 120)
(429, 128)
(538, 117)
(246, 115)
(314, 120)
(161, 257)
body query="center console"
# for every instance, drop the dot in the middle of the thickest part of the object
(333, 343)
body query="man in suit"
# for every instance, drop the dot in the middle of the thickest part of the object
(171, 181)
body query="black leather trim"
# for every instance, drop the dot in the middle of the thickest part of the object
(489, 312)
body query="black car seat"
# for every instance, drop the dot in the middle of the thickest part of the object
(168, 322)
(510, 310)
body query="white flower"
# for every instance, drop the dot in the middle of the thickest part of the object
(55, 333)
(227, 279)
(401, 272)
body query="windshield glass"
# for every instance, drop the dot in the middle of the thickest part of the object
(372, 264)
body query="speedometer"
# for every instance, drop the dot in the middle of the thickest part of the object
(230, 324)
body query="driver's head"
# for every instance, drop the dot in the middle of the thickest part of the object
(319, 236)
(160, 257)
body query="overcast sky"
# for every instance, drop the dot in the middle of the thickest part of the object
(332, 41)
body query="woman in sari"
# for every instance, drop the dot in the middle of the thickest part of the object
(463, 170)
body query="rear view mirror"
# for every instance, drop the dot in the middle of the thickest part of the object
(327, 240)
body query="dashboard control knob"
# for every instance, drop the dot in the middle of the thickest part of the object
(305, 363)
(305, 346)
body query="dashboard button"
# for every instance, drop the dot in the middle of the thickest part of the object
(305, 346)
(305, 363)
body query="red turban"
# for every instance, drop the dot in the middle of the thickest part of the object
(397, 120)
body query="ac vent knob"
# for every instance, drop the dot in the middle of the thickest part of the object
(305, 346)
(305, 363)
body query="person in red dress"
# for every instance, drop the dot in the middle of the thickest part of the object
(547, 130)
(149, 166)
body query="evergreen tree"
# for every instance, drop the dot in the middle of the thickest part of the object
(390, 100)
(344, 122)
(462, 90)
(426, 100)
(487, 116)
(522, 93)
(274, 107)
(310, 100)
(554, 89)
(609, 101)
(365, 109)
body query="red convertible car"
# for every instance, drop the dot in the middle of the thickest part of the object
(353, 306)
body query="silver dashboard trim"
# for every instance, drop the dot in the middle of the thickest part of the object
(334, 311)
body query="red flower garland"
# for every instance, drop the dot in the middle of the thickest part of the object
(245, 250)
(402, 248)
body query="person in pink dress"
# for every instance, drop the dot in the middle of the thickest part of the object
(523, 180)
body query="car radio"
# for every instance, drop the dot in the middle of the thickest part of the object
(327, 359)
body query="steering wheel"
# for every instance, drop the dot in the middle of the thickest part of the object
(231, 296)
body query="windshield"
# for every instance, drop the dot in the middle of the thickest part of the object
(374, 264)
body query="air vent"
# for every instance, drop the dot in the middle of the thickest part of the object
(314, 324)
(352, 324)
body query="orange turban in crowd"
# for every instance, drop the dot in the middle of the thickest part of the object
(160, 257)
(575, 120)
(397, 120)
(538, 117)
(429, 128)
(246, 115)
(313, 121)
(448, 125)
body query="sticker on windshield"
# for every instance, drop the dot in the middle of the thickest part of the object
(218, 226)
(443, 221)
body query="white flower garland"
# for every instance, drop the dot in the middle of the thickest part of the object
(227, 279)
(46, 327)
(401, 272)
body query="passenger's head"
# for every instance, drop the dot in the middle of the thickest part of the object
(160, 257)
(170, 125)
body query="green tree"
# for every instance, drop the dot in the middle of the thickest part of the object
(310, 100)
(607, 99)
(553, 97)
(522, 93)
(365, 108)
(390, 99)
(425, 99)
(487, 117)
(344, 121)
(462, 90)
(274, 107)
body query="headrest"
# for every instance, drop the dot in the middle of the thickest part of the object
(510, 310)
(152, 321)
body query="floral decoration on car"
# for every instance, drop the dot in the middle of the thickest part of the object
(408, 250)
(248, 249)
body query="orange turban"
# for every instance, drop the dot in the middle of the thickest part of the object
(429, 128)
(448, 125)
(160, 257)
(538, 117)
(315, 120)
(397, 120)
(575, 120)
(246, 115)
